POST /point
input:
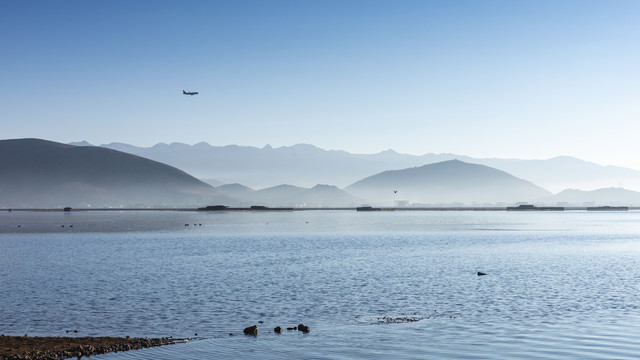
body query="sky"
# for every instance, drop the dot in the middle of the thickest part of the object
(506, 79)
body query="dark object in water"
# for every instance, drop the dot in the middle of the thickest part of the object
(303, 328)
(535, 208)
(367, 208)
(480, 273)
(608, 208)
(67, 209)
(251, 330)
(277, 330)
(214, 208)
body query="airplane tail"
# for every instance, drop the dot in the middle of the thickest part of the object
(184, 92)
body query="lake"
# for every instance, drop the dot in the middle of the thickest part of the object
(376, 285)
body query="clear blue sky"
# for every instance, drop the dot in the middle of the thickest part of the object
(517, 79)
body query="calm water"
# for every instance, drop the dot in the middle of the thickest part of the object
(559, 285)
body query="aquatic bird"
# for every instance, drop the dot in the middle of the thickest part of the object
(480, 273)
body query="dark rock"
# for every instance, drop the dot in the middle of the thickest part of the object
(251, 330)
(303, 328)
(277, 330)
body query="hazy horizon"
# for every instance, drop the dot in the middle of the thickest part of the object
(490, 79)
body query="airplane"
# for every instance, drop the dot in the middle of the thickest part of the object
(190, 93)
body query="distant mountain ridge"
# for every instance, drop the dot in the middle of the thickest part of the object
(447, 182)
(306, 165)
(39, 173)
(291, 196)
(598, 197)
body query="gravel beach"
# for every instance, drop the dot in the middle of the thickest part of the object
(35, 348)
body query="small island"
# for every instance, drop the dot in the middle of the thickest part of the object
(535, 208)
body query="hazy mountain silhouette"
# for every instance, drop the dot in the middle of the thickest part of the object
(40, 173)
(242, 193)
(306, 165)
(446, 182)
(598, 197)
(291, 196)
(303, 165)
(565, 172)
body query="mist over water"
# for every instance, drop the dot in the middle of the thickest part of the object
(370, 285)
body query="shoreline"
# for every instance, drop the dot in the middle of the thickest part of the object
(279, 209)
(57, 347)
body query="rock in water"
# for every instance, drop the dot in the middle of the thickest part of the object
(251, 330)
(303, 328)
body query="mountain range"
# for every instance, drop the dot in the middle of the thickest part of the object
(306, 165)
(40, 173)
(598, 197)
(291, 196)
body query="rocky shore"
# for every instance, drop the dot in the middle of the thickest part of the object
(56, 348)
